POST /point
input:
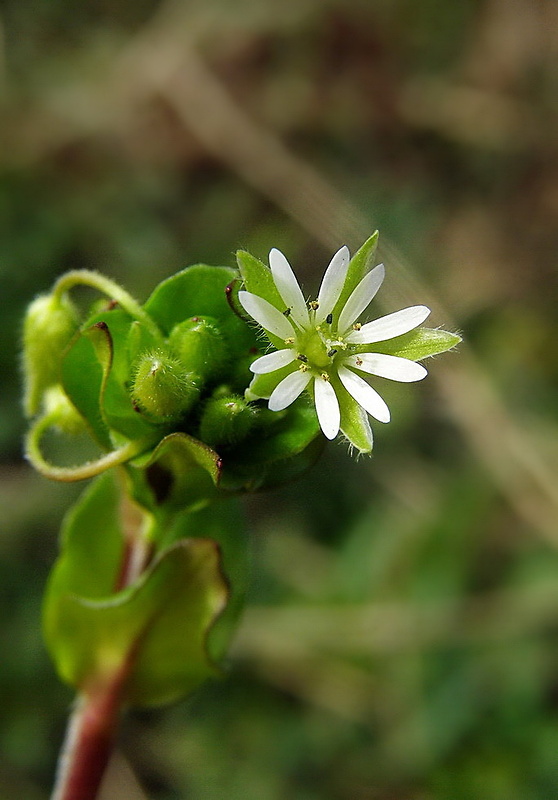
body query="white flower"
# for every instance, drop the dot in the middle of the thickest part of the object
(325, 350)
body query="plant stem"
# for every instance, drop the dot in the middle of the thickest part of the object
(89, 470)
(89, 738)
(84, 277)
(94, 721)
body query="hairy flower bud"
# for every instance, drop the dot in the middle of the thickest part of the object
(63, 413)
(50, 323)
(226, 420)
(200, 345)
(162, 388)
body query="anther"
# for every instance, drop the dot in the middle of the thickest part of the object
(289, 340)
(302, 357)
(313, 305)
(331, 353)
(357, 326)
(329, 319)
(286, 312)
(358, 362)
(325, 376)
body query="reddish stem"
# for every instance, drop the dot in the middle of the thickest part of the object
(89, 740)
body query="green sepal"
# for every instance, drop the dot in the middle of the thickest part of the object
(258, 279)
(200, 346)
(161, 388)
(358, 267)
(415, 345)
(354, 424)
(282, 447)
(157, 628)
(261, 386)
(226, 420)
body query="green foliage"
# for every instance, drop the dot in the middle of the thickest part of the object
(156, 389)
(154, 630)
(349, 679)
(137, 376)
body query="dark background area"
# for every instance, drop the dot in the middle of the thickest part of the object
(399, 641)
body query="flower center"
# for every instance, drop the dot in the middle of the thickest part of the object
(316, 351)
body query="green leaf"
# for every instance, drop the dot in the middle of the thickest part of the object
(224, 523)
(91, 540)
(416, 345)
(184, 471)
(180, 600)
(359, 265)
(158, 627)
(197, 290)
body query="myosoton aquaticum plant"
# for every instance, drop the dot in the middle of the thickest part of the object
(224, 381)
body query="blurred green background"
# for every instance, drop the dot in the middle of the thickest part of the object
(400, 636)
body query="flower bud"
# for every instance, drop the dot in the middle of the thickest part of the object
(50, 323)
(226, 420)
(200, 345)
(162, 388)
(63, 413)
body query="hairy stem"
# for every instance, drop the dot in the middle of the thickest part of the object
(84, 277)
(89, 470)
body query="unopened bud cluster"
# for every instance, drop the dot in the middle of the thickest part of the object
(183, 380)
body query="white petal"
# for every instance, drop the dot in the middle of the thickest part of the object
(267, 315)
(288, 390)
(327, 407)
(287, 286)
(389, 326)
(272, 361)
(361, 297)
(392, 367)
(332, 283)
(365, 395)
